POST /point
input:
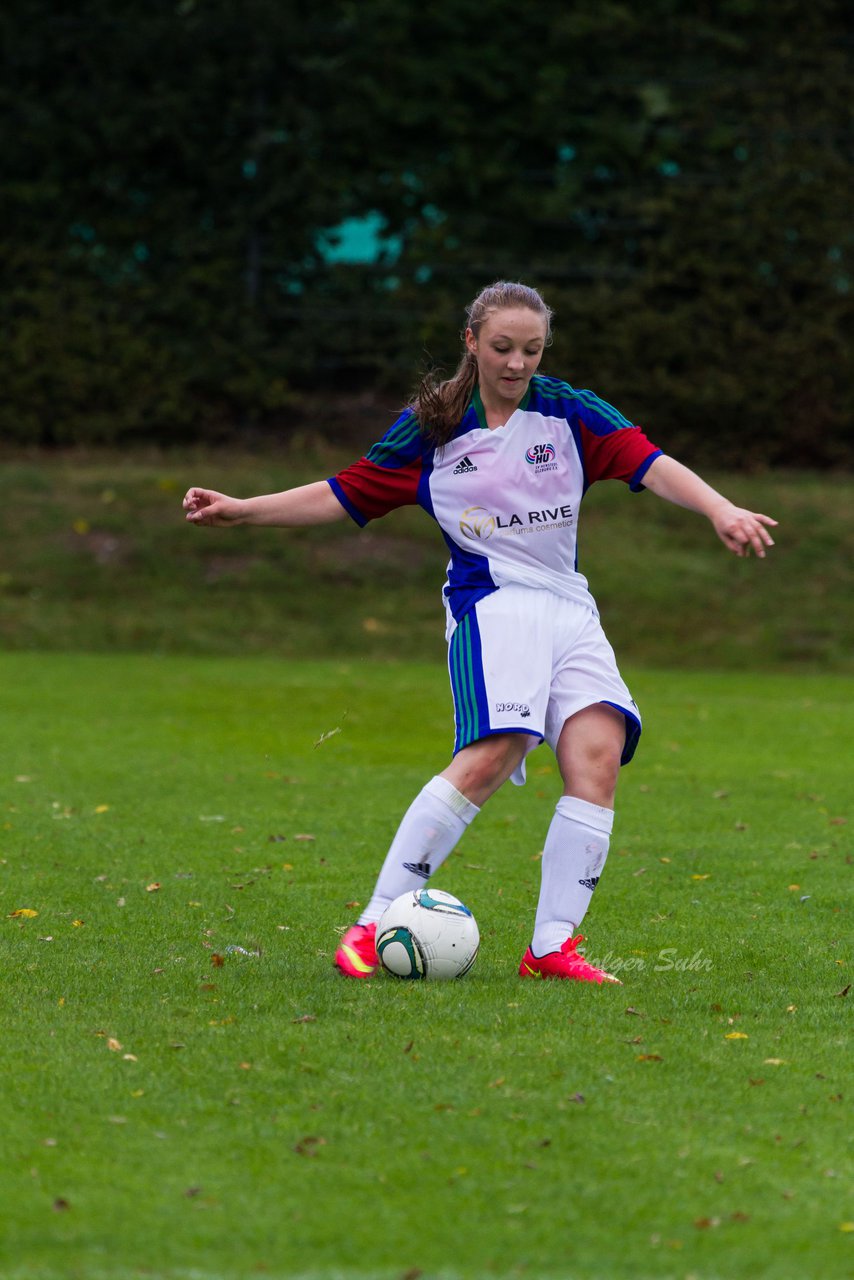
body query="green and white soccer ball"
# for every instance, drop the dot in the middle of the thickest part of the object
(427, 934)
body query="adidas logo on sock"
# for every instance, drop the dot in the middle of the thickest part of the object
(419, 869)
(464, 466)
(591, 883)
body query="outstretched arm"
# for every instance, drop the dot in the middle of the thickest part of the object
(738, 529)
(309, 504)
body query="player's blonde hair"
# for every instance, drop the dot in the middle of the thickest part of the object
(439, 405)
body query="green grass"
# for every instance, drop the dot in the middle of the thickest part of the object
(168, 1116)
(96, 556)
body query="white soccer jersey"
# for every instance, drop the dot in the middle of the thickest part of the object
(507, 499)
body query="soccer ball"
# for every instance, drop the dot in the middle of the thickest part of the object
(427, 934)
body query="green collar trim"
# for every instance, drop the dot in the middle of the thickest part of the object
(477, 405)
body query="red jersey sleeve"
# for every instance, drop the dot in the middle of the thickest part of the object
(367, 490)
(622, 455)
(387, 477)
(612, 447)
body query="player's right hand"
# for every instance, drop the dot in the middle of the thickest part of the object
(206, 506)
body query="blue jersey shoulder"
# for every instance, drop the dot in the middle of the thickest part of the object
(401, 444)
(555, 397)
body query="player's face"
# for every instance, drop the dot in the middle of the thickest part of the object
(508, 350)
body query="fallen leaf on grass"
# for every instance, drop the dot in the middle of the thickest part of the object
(22, 913)
(844, 991)
(703, 1224)
(115, 1046)
(649, 1057)
(309, 1146)
(306, 1017)
(775, 1062)
(60, 1205)
(152, 888)
(736, 1035)
(304, 835)
(217, 960)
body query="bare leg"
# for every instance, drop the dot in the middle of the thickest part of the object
(480, 769)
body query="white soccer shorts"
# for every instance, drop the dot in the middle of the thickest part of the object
(524, 660)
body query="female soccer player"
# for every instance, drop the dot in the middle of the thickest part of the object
(500, 457)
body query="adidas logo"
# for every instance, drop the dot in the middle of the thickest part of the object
(591, 883)
(419, 869)
(463, 467)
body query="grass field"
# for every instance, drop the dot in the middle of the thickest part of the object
(96, 556)
(176, 1108)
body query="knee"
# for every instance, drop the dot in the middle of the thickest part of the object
(603, 755)
(593, 773)
(590, 754)
(604, 765)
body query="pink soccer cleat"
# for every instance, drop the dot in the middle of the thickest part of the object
(566, 963)
(356, 956)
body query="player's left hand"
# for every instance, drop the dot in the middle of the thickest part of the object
(743, 531)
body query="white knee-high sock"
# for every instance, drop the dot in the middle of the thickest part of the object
(573, 858)
(430, 829)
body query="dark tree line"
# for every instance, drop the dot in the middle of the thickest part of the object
(674, 176)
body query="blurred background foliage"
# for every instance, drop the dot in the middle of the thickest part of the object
(235, 221)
